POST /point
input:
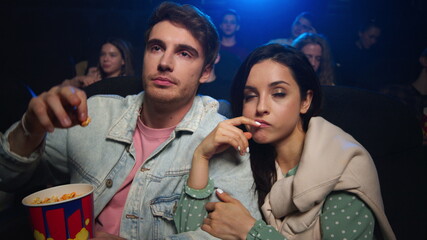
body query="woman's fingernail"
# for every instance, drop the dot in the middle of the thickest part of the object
(219, 190)
(238, 148)
(247, 150)
(257, 123)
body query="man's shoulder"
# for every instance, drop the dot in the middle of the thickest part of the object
(205, 114)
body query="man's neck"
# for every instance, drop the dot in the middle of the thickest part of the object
(163, 115)
(228, 41)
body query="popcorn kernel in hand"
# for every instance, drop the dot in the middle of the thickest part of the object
(86, 122)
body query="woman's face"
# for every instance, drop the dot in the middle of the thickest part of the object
(111, 60)
(272, 97)
(314, 54)
(369, 37)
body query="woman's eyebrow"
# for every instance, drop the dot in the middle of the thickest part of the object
(277, 83)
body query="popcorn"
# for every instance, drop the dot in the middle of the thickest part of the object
(53, 199)
(86, 122)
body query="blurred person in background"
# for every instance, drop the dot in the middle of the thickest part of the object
(115, 59)
(316, 48)
(360, 62)
(304, 22)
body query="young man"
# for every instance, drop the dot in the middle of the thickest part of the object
(230, 25)
(137, 150)
(229, 59)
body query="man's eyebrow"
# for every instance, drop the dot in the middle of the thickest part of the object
(155, 41)
(179, 47)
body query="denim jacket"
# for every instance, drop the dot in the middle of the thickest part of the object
(103, 154)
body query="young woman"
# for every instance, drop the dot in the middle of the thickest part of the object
(316, 48)
(302, 23)
(115, 59)
(313, 180)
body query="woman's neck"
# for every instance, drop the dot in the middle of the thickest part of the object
(289, 151)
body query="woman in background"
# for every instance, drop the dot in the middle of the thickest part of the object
(313, 180)
(316, 48)
(115, 60)
(302, 23)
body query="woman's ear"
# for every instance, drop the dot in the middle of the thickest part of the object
(306, 103)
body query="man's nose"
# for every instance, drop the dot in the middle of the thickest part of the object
(166, 62)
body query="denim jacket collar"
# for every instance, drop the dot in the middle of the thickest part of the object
(124, 127)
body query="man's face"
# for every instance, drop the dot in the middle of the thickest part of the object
(229, 25)
(301, 26)
(173, 65)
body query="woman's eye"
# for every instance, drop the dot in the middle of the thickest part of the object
(249, 97)
(279, 94)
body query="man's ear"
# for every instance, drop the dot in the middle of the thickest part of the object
(306, 103)
(206, 74)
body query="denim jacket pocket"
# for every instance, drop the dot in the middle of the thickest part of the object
(164, 207)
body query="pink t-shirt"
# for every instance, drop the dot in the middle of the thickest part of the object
(145, 140)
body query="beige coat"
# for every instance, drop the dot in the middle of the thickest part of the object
(332, 160)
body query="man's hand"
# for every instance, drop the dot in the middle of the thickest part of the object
(60, 107)
(228, 219)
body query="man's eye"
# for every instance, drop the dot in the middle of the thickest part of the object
(155, 48)
(185, 54)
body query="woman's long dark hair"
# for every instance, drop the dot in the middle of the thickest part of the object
(263, 156)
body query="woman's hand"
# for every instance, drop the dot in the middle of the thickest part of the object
(226, 134)
(228, 219)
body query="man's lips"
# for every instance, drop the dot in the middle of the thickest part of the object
(163, 81)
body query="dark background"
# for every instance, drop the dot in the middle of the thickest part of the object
(42, 40)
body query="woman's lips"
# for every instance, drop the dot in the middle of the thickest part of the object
(263, 123)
